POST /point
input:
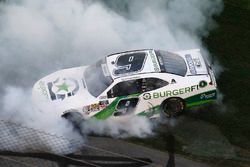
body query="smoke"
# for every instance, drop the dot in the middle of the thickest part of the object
(42, 36)
(37, 131)
(17, 108)
(127, 126)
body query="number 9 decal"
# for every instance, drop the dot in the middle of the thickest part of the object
(129, 63)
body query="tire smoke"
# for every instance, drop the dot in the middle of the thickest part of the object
(42, 36)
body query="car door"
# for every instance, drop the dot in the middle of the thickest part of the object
(126, 96)
(149, 106)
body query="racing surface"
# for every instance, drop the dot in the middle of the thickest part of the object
(95, 151)
(100, 152)
(159, 158)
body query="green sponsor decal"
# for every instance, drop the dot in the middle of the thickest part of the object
(150, 112)
(202, 84)
(110, 109)
(201, 98)
(190, 101)
(175, 92)
(195, 100)
(146, 96)
(63, 87)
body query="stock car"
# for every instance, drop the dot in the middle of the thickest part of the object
(151, 83)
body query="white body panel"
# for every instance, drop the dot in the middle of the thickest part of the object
(66, 89)
(74, 78)
(197, 65)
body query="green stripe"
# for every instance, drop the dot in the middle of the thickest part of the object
(149, 113)
(198, 103)
(195, 100)
(110, 109)
(201, 98)
(190, 102)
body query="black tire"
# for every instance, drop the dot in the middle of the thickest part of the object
(172, 107)
(76, 120)
(73, 117)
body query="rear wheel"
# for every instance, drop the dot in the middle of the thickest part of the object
(172, 107)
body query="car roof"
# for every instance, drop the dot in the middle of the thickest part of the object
(132, 63)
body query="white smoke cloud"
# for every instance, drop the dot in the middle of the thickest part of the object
(39, 37)
(17, 107)
(126, 126)
(46, 128)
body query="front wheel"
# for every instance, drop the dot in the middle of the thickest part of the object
(73, 117)
(172, 107)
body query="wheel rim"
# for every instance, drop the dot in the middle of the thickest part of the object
(173, 107)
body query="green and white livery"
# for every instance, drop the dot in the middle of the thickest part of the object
(142, 82)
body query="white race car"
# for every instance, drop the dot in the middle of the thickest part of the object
(142, 82)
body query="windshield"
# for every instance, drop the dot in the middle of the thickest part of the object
(97, 78)
(172, 63)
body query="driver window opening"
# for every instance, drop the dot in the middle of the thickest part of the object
(126, 88)
(154, 83)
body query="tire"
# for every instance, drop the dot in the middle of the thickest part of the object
(172, 107)
(76, 120)
(73, 117)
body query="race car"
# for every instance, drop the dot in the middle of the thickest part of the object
(146, 82)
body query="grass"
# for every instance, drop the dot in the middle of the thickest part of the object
(230, 45)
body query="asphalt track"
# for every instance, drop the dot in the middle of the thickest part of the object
(159, 158)
(99, 152)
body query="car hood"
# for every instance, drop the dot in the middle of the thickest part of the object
(62, 90)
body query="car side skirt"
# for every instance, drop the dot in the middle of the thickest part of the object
(201, 98)
(191, 101)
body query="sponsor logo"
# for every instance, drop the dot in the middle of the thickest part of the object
(207, 96)
(197, 62)
(146, 96)
(202, 84)
(95, 107)
(191, 65)
(62, 88)
(175, 92)
(154, 61)
(42, 88)
(129, 63)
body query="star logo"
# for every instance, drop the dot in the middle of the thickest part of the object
(63, 87)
